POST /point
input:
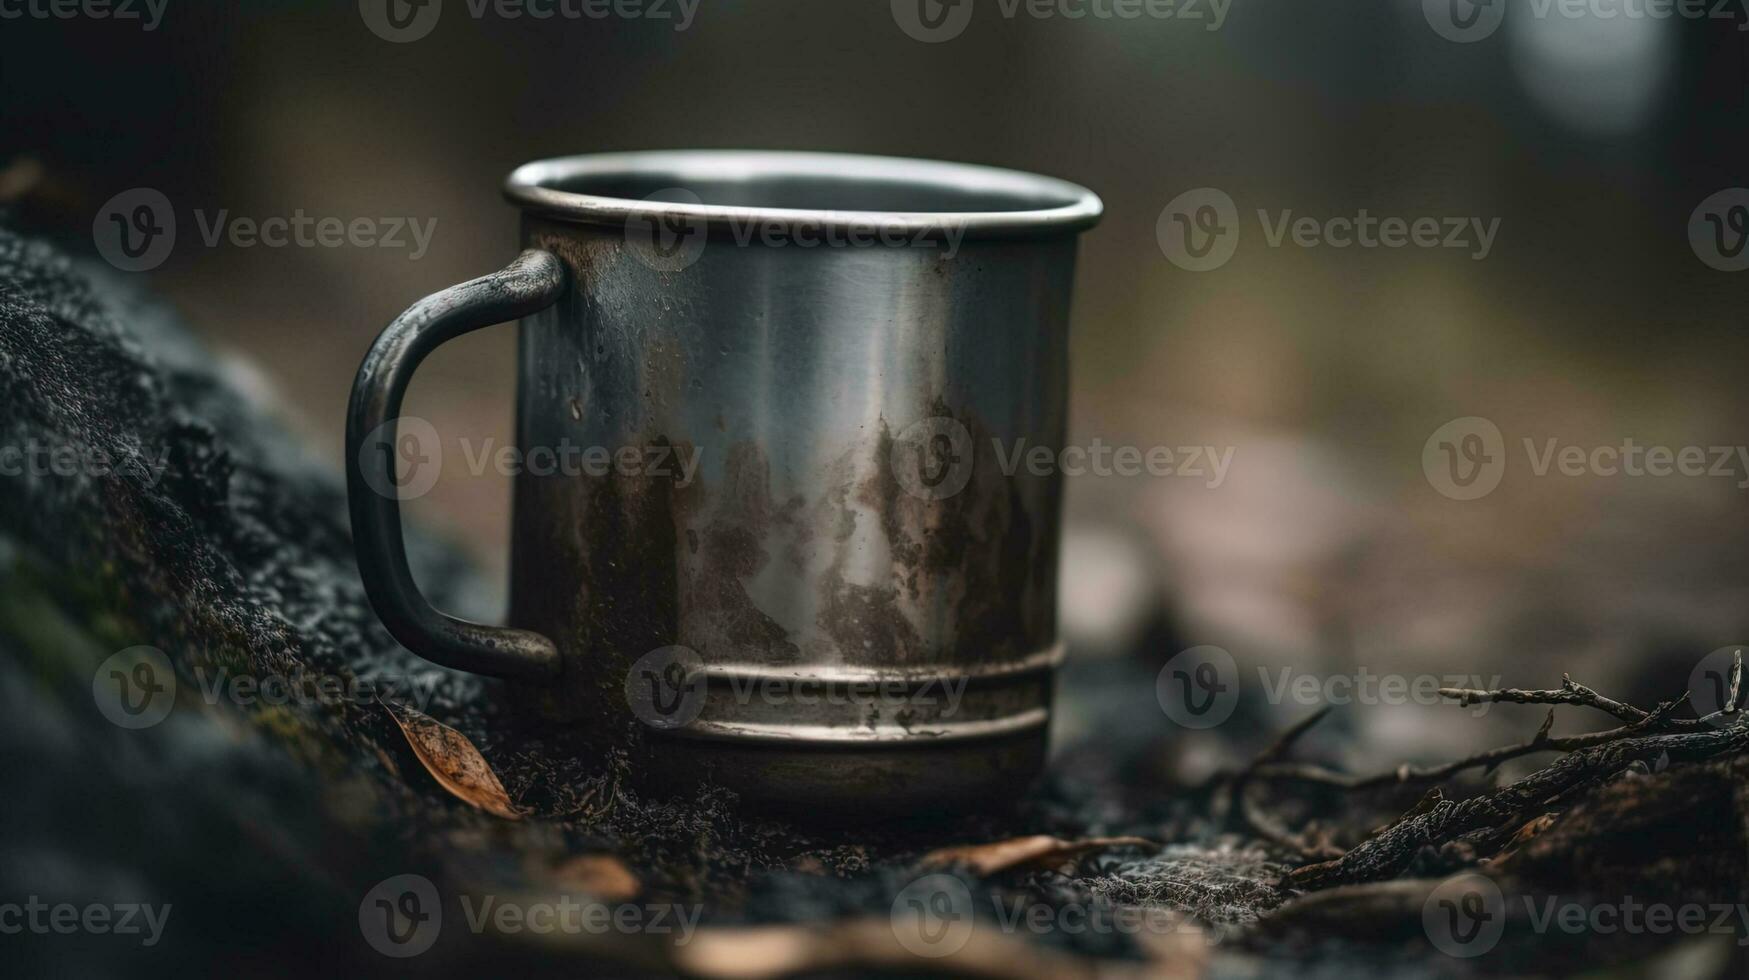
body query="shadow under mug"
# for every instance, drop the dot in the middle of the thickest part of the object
(779, 522)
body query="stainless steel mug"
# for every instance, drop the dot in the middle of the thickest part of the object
(797, 552)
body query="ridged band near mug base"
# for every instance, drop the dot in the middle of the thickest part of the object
(866, 707)
(852, 783)
(869, 746)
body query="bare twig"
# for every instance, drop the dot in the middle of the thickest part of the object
(1570, 692)
(1287, 739)
(1407, 774)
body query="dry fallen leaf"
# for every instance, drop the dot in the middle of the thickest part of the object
(1039, 850)
(453, 761)
(1531, 829)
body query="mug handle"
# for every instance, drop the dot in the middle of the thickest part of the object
(531, 283)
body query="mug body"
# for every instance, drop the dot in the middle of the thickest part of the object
(782, 506)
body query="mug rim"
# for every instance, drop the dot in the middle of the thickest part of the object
(532, 187)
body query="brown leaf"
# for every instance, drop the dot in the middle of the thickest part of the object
(1037, 851)
(1530, 830)
(601, 875)
(453, 761)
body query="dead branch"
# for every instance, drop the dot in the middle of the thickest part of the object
(1570, 692)
(1404, 775)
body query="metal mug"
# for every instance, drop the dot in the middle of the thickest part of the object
(849, 604)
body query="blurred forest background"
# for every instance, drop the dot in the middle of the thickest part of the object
(1591, 321)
